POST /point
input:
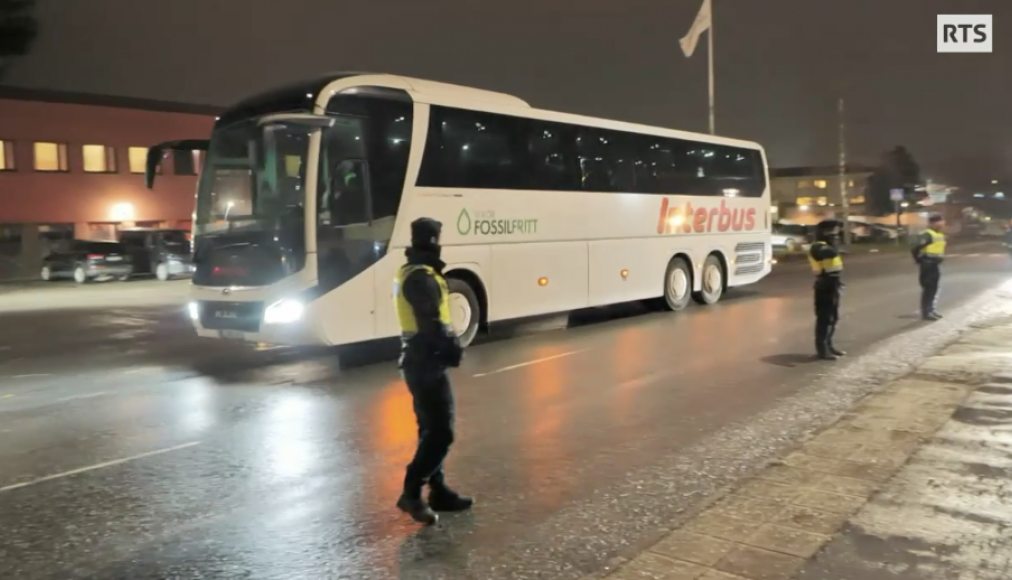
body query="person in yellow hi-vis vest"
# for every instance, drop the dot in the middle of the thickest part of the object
(929, 253)
(827, 265)
(428, 347)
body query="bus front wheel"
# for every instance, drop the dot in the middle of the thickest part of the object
(677, 284)
(465, 310)
(712, 282)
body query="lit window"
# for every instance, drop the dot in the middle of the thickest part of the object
(138, 159)
(820, 183)
(850, 183)
(50, 156)
(857, 199)
(804, 201)
(822, 201)
(6, 155)
(99, 159)
(804, 183)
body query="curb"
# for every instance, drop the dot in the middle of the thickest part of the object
(773, 523)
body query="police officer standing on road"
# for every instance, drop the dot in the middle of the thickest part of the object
(827, 265)
(428, 347)
(929, 254)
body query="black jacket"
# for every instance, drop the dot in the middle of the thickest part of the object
(434, 342)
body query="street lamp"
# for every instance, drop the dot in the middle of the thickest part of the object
(228, 208)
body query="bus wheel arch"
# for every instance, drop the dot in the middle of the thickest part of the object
(678, 282)
(468, 296)
(713, 279)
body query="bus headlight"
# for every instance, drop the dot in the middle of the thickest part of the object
(285, 311)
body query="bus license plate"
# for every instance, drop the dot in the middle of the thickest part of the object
(232, 334)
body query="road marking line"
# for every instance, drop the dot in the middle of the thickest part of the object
(79, 397)
(643, 380)
(33, 375)
(528, 363)
(97, 466)
(6, 396)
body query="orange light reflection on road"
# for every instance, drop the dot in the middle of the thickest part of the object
(627, 358)
(392, 439)
(543, 438)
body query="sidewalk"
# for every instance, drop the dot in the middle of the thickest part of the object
(914, 483)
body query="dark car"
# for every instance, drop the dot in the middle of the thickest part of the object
(84, 261)
(164, 253)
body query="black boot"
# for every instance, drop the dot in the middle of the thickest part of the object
(416, 507)
(444, 499)
(825, 354)
(836, 352)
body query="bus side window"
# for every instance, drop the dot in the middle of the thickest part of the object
(347, 196)
(548, 158)
(342, 181)
(605, 159)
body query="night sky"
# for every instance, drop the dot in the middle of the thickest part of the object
(781, 64)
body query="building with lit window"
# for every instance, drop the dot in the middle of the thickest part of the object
(808, 195)
(72, 165)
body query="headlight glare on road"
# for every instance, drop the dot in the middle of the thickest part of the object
(285, 311)
(194, 309)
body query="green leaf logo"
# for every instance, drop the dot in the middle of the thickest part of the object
(464, 222)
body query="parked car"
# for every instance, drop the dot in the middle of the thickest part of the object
(789, 237)
(164, 253)
(882, 233)
(84, 261)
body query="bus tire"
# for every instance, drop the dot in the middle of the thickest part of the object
(712, 279)
(465, 310)
(677, 284)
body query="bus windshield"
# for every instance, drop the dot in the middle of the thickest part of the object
(254, 178)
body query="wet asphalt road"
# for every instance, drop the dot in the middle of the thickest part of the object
(130, 449)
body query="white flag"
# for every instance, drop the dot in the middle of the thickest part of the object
(700, 25)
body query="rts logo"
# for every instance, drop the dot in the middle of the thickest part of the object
(965, 32)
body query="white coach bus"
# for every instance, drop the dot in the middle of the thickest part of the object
(307, 194)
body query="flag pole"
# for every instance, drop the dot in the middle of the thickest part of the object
(709, 37)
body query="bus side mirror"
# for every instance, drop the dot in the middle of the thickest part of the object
(157, 152)
(151, 164)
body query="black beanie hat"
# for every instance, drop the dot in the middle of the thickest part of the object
(425, 233)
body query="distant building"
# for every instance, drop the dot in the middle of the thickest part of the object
(808, 195)
(72, 165)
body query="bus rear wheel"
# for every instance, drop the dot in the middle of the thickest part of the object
(465, 310)
(712, 282)
(677, 284)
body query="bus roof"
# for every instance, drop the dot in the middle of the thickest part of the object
(299, 95)
(450, 95)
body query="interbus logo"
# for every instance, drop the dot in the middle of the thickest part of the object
(965, 33)
(700, 220)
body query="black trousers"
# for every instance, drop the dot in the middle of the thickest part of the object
(827, 313)
(433, 403)
(931, 273)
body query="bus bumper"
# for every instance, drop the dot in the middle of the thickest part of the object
(249, 322)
